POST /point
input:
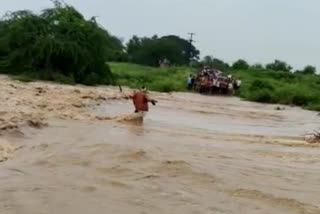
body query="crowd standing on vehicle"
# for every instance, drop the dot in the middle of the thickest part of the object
(212, 81)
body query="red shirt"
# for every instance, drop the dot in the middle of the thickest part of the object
(140, 101)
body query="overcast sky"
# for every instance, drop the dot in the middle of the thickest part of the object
(255, 30)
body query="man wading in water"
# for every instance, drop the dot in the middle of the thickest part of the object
(141, 100)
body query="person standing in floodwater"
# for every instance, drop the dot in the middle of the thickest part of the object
(141, 101)
(189, 82)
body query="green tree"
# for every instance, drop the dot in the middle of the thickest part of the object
(308, 70)
(240, 65)
(278, 65)
(188, 51)
(207, 61)
(57, 42)
(148, 51)
(215, 63)
(257, 66)
(220, 65)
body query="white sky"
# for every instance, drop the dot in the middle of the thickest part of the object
(255, 30)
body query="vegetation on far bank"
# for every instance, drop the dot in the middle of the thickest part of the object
(270, 86)
(59, 44)
(260, 85)
(166, 79)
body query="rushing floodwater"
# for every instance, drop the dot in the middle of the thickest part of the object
(192, 154)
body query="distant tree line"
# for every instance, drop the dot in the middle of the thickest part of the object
(241, 64)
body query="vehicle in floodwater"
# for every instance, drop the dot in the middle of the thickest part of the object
(212, 81)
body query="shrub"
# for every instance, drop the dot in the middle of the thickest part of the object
(163, 86)
(259, 85)
(262, 95)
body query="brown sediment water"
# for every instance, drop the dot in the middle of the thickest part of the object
(6, 150)
(79, 150)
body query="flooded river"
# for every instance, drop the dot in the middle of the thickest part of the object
(193, 154)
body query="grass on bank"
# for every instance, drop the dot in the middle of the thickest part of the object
(155, 79)
(280, 87)
(264, 86)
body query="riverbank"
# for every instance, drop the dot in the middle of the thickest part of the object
(259, 85)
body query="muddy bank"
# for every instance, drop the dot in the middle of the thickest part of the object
(34, 103)
(6, 150)
(68, 153)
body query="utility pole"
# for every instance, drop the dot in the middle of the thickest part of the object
(190, 46)
(191, 37)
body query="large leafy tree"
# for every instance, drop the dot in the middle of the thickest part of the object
(187, 50)
(149, 51)
(59, 41)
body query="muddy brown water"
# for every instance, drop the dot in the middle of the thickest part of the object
(192, 154)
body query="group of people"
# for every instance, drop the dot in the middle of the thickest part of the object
(208, 81)
(211, 81)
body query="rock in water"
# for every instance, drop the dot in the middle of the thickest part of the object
(312, 139)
